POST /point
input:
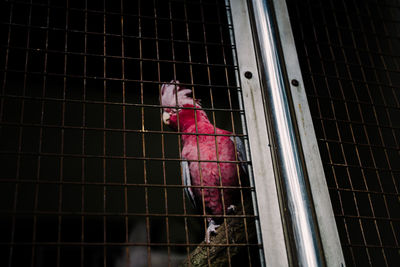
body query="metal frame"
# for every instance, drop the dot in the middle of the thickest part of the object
(264, 177)
(330, 242)
(319, 188)
(301, 227)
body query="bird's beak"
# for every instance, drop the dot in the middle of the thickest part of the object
(166, 117)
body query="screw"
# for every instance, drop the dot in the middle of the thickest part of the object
(248, 74)
(295, 82)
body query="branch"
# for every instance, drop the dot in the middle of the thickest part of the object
(209, 255)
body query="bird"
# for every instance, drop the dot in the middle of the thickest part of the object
(209, 155)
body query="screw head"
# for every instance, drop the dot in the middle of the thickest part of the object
(248, 74)
(295, 82)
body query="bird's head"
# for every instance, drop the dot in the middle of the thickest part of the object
(173, 98)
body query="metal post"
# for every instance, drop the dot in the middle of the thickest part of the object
(293, 175)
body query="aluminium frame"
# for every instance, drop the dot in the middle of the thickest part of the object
(272, 220)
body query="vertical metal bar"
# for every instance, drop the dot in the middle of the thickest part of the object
(61, 171)
(44, 88)
(104, 133)
(221, 191)
(143, 135)
(162, 134)
(261, 175)
(186, 21)
(187, 240)
(21, 128)
(3, 90)
(126, 203)
(293, 174)
(83, 165)
(330, 241)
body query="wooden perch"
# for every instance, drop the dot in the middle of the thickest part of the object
(209, 255)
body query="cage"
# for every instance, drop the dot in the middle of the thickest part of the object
(92, 176)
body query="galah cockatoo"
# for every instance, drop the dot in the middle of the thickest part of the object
(204, 157)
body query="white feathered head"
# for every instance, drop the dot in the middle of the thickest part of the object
(174, 96)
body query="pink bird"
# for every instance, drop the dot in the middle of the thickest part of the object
(200, 153)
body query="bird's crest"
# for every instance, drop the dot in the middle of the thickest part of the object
(173, 95)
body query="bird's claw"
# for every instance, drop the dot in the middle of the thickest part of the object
(212, 228)
(231, 209)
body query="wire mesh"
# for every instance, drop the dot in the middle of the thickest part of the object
(90, 175)
(350, 63)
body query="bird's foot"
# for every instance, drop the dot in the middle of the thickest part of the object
(231, 209)
(212, 228)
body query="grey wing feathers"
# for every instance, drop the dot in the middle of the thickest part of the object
(188, 182)
(240, 151)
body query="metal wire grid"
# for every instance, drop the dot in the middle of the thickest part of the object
(85, 156)
(350, 62)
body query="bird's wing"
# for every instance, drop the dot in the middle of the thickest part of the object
(187, 182)
(241, 153)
